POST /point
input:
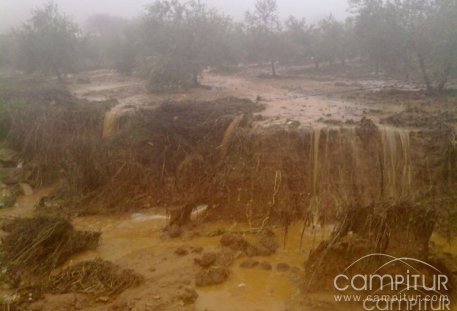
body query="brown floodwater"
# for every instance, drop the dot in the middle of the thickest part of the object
(133, 239)
(127, 236)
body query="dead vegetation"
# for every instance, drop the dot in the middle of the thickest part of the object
(35, 246)
(190, 153)
(402, 230)
(417, 117)
(95, 278)
(34, 249)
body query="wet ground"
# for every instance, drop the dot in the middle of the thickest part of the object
(137, 241)
(290, 98)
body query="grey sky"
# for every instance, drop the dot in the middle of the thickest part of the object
(14, 12)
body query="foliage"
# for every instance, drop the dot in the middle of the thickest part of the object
(264, 30)
(48, 42)
(410, 36)
(112, 42)
(7, 47)
(174, 41)
(4, 120)
(180, 40)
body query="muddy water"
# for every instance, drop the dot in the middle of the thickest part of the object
(24, 206)
(284, 99)
(125, 237)
(128, 239)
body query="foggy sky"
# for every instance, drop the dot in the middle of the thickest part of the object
(14, 12)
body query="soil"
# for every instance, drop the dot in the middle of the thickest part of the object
(301, 97)
(136, 241)
(228, 265)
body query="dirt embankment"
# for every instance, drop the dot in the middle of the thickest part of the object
(184, 154)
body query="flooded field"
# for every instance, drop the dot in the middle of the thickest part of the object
(197, 155)
(245, 155)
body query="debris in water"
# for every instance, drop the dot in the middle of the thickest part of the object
(212, 276)
(96, 277)
(40, 244)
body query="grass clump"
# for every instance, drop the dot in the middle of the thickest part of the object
(95, 277)
(35, 246)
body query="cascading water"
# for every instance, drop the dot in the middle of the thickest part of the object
(396, 161)
(346, 166)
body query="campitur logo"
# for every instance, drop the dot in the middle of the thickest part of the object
(409, 290)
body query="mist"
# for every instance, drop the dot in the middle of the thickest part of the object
(230, 155)
(14, 13)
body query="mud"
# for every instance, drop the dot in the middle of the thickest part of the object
(136, 241)
(303, 99)
(263, 188)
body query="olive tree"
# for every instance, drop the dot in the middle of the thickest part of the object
(264, 29)
(48, 42)
(297, 40)
(418, 36)
(180, 39)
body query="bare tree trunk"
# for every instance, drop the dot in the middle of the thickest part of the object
(428, 83)
(57, 72)
(273, 68)
(59, 76)
(444, 78)
(195, 78)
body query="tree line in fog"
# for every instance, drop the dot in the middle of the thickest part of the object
(173, 41)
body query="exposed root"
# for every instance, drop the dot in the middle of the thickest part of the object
(35, 246)
(96, 277)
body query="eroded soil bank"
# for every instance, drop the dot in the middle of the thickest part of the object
(183, 187)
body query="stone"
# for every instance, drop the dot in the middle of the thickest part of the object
(268, 240)
(225, 258)
(181, 251)
(212, 276)
(174, 231)
(265, 265)
(282, 267)
(249, 264)
(207, 260)
(234, 241)
(197, 249)
(188, 296)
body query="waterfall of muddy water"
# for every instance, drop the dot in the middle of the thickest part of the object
(396, 161)
(316, 135)
(314, 207)
(110, 122)
(348, 166)
(113, 118)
